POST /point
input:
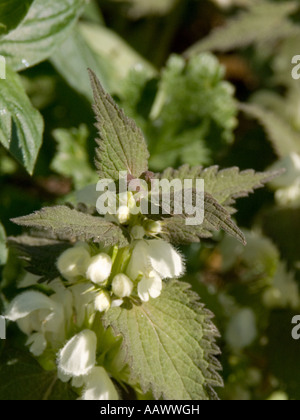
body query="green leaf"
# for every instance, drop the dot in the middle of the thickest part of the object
(284, 137)
(225, 186)
(12, 12)
(194, 106)
(216, 218)
(46, 25)
(21, 126)
(40, 254)
(71, 159)
(70, 224)
(3, 249)
(122, 146)
(264, 22)
(22, 378)
(73, 57)
(169, 344)
(116, 57)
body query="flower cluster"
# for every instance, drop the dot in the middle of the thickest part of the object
(91, 281)
(137, 270)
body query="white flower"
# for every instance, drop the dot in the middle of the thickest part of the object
(74, 262)
(78, 356)
(37, 343)
(153, 228)
(83, 303)
(99, 268)
(42, 318)
(102, 302)
(150, 286)
(156, 255)
(122, 286)
(123, 214)
(99, 386)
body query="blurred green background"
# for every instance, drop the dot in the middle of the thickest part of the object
(209, 83)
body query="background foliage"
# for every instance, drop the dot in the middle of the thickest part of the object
(208, 85)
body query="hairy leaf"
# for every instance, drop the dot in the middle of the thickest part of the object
(122, 146)
(216, 217)
(264, 22)
(225, 186)
(12, 12)
(169, 344)
(46, 25)
(21, 126)
(22, 378)
(70, 224)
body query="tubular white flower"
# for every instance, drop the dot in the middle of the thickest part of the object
(102, 302)
(123, 214)
(150, 286)
(78, 356)
(99, 386)
(99, 268)
(74, 262)
(122, 286)
(156, 255)
(37, 343)
(26, 303)
(83, 302)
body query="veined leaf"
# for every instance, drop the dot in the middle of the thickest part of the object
(21, 126)
(225, 186)
(46, 25)
(70, 224)
(169, 344)
(3, 249)
(122, 146)
(12, 12)
(73, 57)
(264, 22)
(216, 218)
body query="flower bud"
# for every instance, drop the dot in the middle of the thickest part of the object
(102, 302)
(99, 268)
(123, 215)
(137, 232)
(73, 262)
(122, 286)
(153, 228)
